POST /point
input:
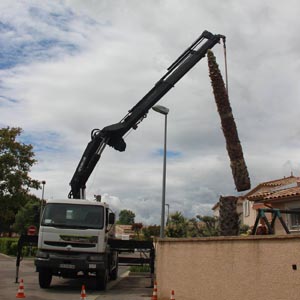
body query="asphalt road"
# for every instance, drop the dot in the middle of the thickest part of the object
(126, 287)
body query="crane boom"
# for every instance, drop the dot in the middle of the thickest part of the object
(112, 135)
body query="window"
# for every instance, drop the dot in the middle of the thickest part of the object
(295, 219)
(246, 208)
(73, 216)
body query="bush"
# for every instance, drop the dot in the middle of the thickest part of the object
(29, 251)
(9, 246)
(140, 269)
(13, 249)
(5, 244)
(244, 229)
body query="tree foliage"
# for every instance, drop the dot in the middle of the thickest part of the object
(177, 225)
(137, 227)
(28, 215)
(200, 226)
(203, 226)
(126, 217)
(16, 160)
(151, 231)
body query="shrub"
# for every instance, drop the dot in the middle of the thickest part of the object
(9, 246)
(143, 268)
(5, 244)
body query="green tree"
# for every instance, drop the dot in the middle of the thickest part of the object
(126, 217)
(202, 226)
(28, 215)
(151, 231)
(177, 226)
(137, 227)
(16, 160)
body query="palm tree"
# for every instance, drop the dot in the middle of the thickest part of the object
(229, 218)
(233, 145)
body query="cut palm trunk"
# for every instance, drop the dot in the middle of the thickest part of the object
(233, 145)
(229, 218)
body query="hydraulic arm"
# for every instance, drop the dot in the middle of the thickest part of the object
(112, 135)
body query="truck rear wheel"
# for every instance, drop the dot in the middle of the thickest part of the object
(45, 277)
(101, 280)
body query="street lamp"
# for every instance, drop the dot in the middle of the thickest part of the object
(42, 202)
(163, 110)
(168, 213)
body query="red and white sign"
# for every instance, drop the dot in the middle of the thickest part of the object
(31, 230)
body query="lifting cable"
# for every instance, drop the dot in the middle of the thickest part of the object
(225, 62)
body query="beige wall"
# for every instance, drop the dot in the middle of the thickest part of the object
(234, 268)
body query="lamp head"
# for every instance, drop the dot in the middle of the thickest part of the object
(161, 109)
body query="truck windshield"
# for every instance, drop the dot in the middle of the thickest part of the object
(73, 216)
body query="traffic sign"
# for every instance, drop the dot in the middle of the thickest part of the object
(31, 230)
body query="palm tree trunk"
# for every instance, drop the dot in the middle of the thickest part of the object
(233, 145)
(229, 218)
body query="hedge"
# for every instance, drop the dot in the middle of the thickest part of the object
(140, 269)
(9, 246)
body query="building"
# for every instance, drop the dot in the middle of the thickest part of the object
(124, 232)
(282, 194)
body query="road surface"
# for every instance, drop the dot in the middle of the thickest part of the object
(126, 287)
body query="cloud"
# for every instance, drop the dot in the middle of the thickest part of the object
(36, 34)
(67, 67)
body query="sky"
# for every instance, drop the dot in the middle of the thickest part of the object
(69, 66)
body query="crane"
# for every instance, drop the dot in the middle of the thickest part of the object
(112, 135)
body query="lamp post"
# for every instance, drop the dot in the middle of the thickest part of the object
(163, 110)
(42, 202)
(168, 213)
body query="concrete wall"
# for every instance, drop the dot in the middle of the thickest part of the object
(233, 268)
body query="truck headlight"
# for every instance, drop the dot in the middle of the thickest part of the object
(42, 254)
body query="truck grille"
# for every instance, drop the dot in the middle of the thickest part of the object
(65, 244)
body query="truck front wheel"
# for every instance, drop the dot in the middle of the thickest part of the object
(114, 273)
(101, 280)
(45, 277)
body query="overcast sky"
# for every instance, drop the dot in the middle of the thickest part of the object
(69, 66)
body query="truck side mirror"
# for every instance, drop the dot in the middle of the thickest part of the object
(111, 218)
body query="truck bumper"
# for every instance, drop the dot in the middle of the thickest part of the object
(70, 264)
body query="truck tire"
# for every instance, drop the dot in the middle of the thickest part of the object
(45, 277)
(114, 273)
(101, 280)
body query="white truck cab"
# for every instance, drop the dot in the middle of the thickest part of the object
(73, 240)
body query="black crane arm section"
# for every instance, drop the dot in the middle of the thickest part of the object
(112, 135)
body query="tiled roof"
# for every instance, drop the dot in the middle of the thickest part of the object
(281, 181)
(275, 189)
(289, 192)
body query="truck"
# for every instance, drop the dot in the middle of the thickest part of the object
(70, 244)
(73, 239)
